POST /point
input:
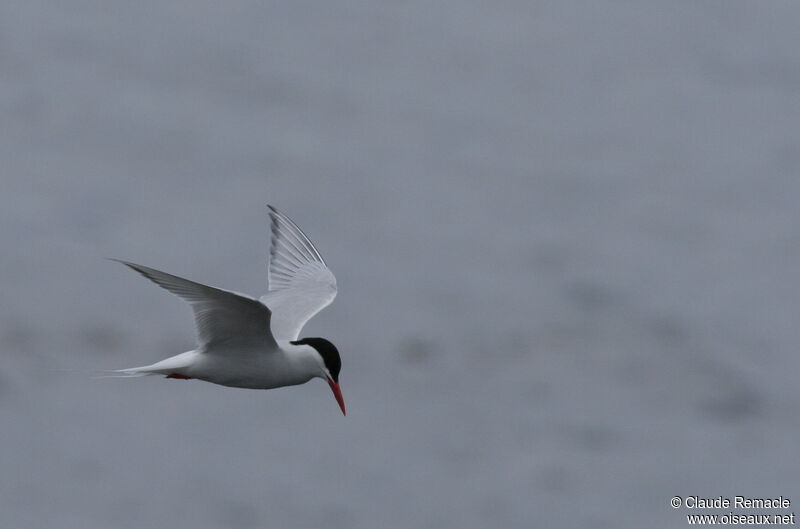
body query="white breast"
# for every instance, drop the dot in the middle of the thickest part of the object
(262, 369)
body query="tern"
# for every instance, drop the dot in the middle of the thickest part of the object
(244, 342)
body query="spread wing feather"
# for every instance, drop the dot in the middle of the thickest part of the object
(300, 283)
(221, 316)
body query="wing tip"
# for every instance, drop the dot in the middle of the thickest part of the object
(122, 261)
(283, 227)
(133, 266)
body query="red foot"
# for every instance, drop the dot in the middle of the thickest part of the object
(178, 376)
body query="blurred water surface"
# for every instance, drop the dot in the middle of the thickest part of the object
(566, 238)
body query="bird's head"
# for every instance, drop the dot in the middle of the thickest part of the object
(330, 363)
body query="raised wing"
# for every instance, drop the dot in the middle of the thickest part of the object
(222, 317)
(300, 284)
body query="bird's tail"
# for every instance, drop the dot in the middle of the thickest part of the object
(105, 373)
(122, 373)
(173, 364)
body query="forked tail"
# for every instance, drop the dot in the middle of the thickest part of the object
(177, 364)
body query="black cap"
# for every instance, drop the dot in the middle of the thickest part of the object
(328, 352)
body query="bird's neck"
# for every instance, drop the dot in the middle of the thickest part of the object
(303, 357)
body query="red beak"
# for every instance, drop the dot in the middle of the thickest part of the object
(337, 392)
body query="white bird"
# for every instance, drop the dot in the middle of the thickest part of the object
(245, 342)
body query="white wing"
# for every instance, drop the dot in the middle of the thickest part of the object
(300, 284)
(222, 317)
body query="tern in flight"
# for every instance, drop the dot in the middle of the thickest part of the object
(245, 342)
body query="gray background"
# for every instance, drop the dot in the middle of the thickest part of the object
(566, 238)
